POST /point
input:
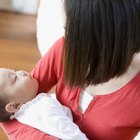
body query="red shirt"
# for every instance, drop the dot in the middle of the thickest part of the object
(113, 116)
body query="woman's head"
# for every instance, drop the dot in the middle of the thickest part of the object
(101, 37)
(16, 88)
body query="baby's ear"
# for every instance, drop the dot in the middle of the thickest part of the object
(12, 107)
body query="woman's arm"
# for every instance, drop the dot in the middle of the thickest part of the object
(18, 131)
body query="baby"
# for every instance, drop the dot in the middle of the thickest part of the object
(18, 100)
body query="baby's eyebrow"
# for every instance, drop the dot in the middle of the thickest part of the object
(9, 73)
(11, 79)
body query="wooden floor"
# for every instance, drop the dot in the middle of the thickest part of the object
(18, 47)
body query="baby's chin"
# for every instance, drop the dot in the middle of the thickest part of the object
(34, 91)
(36, 85)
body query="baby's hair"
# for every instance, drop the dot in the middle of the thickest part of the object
(101, 37)
(4, 115)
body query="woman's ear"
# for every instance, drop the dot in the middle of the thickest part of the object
(12, 107)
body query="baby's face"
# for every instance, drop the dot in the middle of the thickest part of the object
(19, 86)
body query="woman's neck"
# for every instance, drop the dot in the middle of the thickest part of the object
(116, 83)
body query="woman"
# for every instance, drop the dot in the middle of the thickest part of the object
(96, 69)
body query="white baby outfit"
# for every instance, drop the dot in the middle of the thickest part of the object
(48, 115)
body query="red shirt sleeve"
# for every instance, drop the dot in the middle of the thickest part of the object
(18, 131)
(48, 69)
(46, 72)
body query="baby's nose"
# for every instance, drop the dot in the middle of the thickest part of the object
(23, 73)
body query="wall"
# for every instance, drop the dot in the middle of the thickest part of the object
(49, 24)
(22, 6)
(5, 4)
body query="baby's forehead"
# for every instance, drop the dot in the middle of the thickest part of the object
(4, 77)
(5, 71)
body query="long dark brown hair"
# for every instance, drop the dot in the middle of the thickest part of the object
(101, 37)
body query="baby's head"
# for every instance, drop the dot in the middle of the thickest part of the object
(16, 88)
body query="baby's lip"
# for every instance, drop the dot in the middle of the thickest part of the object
(30, 76)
